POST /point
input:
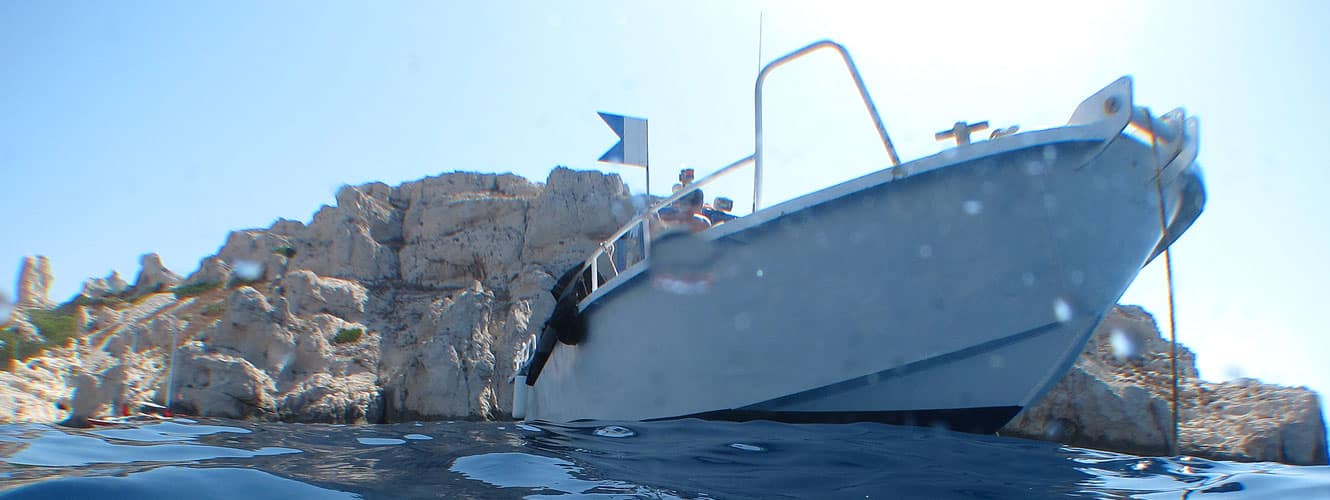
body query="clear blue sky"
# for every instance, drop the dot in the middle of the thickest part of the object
(141, 127)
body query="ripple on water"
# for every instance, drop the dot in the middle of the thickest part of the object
(178, 482)
(380, 441)
(615, 431)
(54, 448)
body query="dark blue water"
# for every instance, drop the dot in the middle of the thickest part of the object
(679, 459)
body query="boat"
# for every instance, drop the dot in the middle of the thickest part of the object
(952, 290)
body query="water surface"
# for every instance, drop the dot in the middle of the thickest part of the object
(677, 459)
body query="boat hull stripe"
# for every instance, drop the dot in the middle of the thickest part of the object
(924, 364)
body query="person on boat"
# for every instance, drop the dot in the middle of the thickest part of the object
(691, 205)
(686, 211)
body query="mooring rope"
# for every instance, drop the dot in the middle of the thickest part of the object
(1174, 447)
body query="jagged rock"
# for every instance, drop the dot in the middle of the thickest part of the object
(100, 288)
(212, 269)
(1083, 409)
(462, 227)
(575, 212)
(86, 401)
(307, 294)
(221, 385)
(1118, 397)
(34, 283)
(251, 254)
(254, 330)
(442, 365)
(352, 240)
(153, 276)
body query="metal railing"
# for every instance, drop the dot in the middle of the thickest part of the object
(644, 221)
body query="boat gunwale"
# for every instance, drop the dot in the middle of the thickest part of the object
(947, 158)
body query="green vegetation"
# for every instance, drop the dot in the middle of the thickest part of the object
(215, 308)
(14, 346)
(57, 328)
(285, 251)
(347, 335)
(192, 289)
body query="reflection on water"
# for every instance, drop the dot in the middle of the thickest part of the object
(676, 459)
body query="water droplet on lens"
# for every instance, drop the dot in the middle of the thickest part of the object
(247, 270)
(973, 207)
(742, 321)
(1062, 310)
(1123, 345)
(1027, 278)
(615, 431)
(925, 251)
(1050, 153)
(747, 447)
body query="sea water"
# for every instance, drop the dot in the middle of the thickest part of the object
(206, 459)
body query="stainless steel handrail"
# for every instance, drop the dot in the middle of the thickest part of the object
(652, 209)
(608, 245)
(757, 106)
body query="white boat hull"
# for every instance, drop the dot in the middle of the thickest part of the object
(951, 290)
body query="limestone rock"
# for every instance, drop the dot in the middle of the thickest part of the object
(251, 257)
(253, 329)
(308, 294)
(575, 212)
(461, 227)
(34, 283)
(218, 384)
(1086, 410)
(352, 240)
(1118, 397)
(212, 269)
(153, 276)
(100, 288)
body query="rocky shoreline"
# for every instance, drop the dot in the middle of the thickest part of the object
(410, 303)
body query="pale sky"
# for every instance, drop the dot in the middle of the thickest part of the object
(159, 127)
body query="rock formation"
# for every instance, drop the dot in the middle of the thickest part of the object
(398, 302)
(412, 302)
(100, 288)
(1118, 397)
(153, 276)
(34, 283)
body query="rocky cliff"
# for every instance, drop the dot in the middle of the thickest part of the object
(398, 303)
(1118, 396)
(411, 302)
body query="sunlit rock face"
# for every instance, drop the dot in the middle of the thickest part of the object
(100, 288)
(405, 302)
(34, 283)
(212, 270)
(153, 276)
(1118, 396)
